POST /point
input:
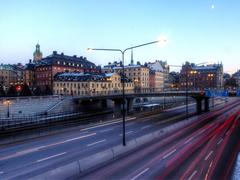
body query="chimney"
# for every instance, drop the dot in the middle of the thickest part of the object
(62, 54)
(54, 52)
(30, 61)
(75, 56)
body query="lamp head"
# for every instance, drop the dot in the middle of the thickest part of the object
(89, 49)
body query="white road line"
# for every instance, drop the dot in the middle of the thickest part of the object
(219, 142)
(106, 124)
(144, 127)
(1, 172)
(50, 157)
(169, 154)
(96, 142)
(139, 174)
(68, 140)
(106, 130)
(187, 141)
(193, 174)
(20, 153)
(129, 132)
(209, 154)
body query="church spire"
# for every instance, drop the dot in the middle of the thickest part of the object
(131, 56)
(37, 55)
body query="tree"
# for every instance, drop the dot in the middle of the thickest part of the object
(2, 92)
(12, 91)
(25, 91)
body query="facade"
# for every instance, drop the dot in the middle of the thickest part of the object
(29, 74)
(201, 77)
(174, 80)
(163, 73)
(236, 76)
(78, 84)
(156, 80)
(48, 67)
(10, 75)
(138, 74)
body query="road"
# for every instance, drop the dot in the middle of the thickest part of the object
(30, 158)
(186, 154)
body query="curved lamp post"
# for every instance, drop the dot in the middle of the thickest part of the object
(163, 40)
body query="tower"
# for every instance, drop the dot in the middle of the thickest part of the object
(131, 56)
(37, 55)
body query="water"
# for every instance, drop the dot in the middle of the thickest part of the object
(236, 171)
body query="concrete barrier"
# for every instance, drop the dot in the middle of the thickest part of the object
(144, 139)
(120, 149)
(95, 159)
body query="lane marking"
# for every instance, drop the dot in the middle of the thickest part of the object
(188, 140)
(106, 124)
(50, 157)
(219, 142)
(68, 140)
(129, 132)
(96, 142)
(1, 172)
(27, 151)
(209, 154)
(144, 127)
(106, 130)
(169, 154)
(193, 174)
(139, 174)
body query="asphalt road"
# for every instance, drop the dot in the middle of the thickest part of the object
(30, 158)
(186, 154)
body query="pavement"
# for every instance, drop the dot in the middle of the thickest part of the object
(33, 157)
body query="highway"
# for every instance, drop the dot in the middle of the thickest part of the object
(30, 158)
(187, 154)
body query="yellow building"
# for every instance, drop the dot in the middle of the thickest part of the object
(138, 74)
(78, 84)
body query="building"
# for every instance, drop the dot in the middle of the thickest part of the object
(236, 76)
(201, 77)
(77, 84)
(37, 55)
(29, 74)
(10, 75)
(138, 74)
(156, 80)
(163, 75)
(49, 66)
(174, 80)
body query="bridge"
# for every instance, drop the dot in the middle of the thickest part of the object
(114, 98)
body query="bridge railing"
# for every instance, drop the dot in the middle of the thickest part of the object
(135, 91)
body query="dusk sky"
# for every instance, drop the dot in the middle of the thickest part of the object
(197, 30)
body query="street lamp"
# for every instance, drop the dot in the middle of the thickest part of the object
(162, 40)
(8, 102)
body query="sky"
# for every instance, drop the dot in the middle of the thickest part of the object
(197, 30)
